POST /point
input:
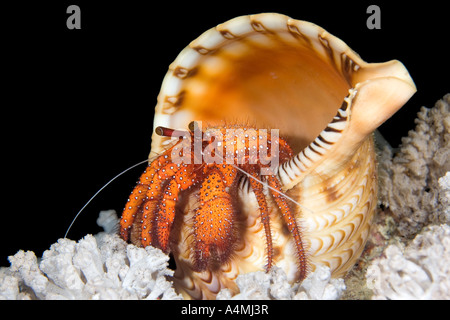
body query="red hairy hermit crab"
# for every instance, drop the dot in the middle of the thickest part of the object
(263, 153)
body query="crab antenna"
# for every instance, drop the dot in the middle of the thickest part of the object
(92, 198)
(273, 189)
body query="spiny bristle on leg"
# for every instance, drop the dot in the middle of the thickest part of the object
(264, 216)
(289, 218)
(292, 225)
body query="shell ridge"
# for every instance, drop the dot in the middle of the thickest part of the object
(325, 140)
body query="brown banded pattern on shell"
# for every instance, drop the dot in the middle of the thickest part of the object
(292, 75)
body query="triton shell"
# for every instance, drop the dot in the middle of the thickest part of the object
(294, 76)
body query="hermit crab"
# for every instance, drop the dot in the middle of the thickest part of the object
(263, 154)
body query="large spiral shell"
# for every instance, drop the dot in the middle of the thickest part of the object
(291, 75)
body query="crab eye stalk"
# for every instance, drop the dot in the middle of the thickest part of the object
(193, 125)
(164, 132)
(168, 132)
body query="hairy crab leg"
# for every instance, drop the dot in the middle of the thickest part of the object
(136, 198)
(153, 201)
(182, 180)
(291, 223)
(257, 188)
(139, 193)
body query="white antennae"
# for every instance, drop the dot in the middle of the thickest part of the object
(273, 189)
(79, 212)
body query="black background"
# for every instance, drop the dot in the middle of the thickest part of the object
(77, 105)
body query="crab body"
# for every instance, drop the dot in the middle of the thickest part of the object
(149, 215)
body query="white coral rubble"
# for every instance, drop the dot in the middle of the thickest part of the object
(84, 270)
(444, 195)
(409, 180)
(415, 186)
(420, 271)
(105, 267)
(274, 286)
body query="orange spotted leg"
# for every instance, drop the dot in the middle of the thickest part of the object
(213, 222)
(137, 198)
(156, 173)
(182, 180)
(139, 193)
(152, 201)
(147, 189)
